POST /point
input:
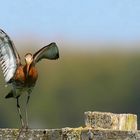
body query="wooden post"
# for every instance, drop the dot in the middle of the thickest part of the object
(100, 120)
(99, 126)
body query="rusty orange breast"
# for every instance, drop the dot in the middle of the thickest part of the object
(32, 76)
(20, 75)
(25, 78)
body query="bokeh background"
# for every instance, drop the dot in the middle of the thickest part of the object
(99, 65)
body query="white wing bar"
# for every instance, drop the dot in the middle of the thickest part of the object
(8, 59)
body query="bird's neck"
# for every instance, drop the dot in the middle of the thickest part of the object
(30, 73)
(27, 69)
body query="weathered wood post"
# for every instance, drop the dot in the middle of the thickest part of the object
(98, 126)
(104, 120)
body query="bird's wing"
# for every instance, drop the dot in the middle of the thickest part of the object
(9, 57)
(48, 52)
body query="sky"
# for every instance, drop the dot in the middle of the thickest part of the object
(72, 20)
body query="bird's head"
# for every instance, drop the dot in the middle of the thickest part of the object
(28, 58)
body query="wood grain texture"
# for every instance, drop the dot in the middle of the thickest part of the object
(68, 134)
(107, 120)
(99, 126)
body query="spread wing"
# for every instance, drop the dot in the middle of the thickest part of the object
(9, 57)
(48, 52)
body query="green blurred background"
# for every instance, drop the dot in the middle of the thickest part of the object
(99, 65)
(77, 82)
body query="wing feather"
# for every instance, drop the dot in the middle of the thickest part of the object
(48, 52)
(9, 57)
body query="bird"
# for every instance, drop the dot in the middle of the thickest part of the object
(22, 77)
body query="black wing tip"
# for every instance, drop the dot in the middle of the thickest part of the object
(57, 54)
(56, 57)
(53, 43)
(4, 32)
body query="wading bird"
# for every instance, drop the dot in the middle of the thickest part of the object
(22, 78)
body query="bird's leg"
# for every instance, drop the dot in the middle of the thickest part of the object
(19, 112)
(26, 109)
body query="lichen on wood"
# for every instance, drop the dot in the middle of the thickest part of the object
(107, 120)
(99, 126)
(68, 134)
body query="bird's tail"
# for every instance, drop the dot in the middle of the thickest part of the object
(9, 95)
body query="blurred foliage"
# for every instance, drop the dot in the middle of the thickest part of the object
(78, 82)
